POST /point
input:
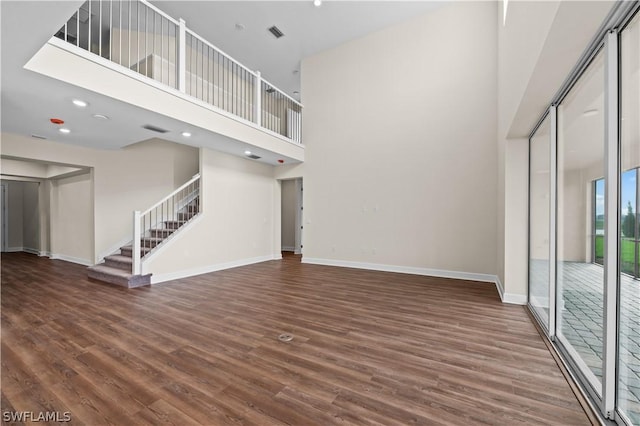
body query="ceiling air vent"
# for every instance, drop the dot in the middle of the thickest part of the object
(154, 128)
(276, 32)
(254, 157)
(37, 136)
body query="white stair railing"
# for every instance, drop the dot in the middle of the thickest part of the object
(139, 36)
(170, 213)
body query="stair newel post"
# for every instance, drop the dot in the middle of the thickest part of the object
(136, 243)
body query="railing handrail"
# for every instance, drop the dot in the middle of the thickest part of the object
(177, 76)
(194, 34)
(193, 179)
(222, 52)
(160, 12)
(279, 90)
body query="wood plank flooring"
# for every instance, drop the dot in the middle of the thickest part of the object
(369, 348)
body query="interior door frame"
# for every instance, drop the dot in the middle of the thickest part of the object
(5, 217)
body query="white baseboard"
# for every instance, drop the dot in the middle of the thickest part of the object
(57, 256)
(44, 254)
(159, 278)
(24, 250)
(31, 251)
(402, 269)
(514, 299)
(288, 248)
(277, 256)
(469, 276)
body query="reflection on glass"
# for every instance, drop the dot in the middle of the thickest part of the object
(629, 332)
(598, 223)
(539, 222)
(580, 163)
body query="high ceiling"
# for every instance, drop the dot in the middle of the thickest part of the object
(30, 99)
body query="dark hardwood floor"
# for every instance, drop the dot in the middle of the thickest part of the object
(368, 348)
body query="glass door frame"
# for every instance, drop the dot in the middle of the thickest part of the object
(608, 38)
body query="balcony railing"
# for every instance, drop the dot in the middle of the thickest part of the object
(139, 36)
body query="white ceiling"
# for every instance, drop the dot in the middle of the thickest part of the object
(29, 100)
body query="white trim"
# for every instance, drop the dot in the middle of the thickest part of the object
(44, 253)
(510, 298)
(468, 276)
(500, 288)
(553, 225)
(78, 51)
(611, 225)
(514, 299)
(5, 217)
(185, 273)
(288, 248)
(31, 250)
(277, 256)
(13, 249)
(79, 261)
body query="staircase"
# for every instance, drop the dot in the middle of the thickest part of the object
(159, 223)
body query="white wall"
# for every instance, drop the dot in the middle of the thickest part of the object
(400, 131)
(124, 180)
(237, 224)
(288, 212)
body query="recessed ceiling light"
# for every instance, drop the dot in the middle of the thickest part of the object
(64, 130)
(590, 112)
(317, 3)
(186, 134)
(247, 152)
(79, 103)
(100, 116)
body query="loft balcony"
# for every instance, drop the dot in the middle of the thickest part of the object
(138, 40)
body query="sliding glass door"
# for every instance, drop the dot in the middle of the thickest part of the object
(584, 221)
(628, 386)
(580, 283)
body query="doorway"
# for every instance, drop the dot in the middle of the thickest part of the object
(4, 217)
(291, 216)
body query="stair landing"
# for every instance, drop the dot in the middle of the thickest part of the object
(118, 276)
